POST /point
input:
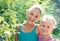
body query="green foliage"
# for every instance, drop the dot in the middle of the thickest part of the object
(13, 12)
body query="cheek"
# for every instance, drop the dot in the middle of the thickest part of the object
(50, 30)
(35, 19)
(42, 29)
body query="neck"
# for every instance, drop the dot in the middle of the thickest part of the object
(29, 25)
(45, 37)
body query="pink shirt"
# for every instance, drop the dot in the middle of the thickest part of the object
(49, 39)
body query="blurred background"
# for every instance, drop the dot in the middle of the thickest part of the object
(13, 12)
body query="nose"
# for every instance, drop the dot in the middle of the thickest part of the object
(32, 17)
(44, 28)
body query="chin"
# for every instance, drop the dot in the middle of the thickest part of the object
(31, 22)
(44, 33)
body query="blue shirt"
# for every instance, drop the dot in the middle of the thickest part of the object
(27, 36)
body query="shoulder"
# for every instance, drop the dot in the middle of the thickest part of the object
(37, 28)
(17, 27)
(37, 25)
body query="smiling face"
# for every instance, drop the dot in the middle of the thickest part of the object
(33, 16)
(47, 28)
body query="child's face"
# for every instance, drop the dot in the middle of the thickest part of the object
(33, 16)
(46, 28)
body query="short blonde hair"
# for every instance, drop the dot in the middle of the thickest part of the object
(50, 18)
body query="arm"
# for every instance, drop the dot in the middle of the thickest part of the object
(38, 29)
(16, 35)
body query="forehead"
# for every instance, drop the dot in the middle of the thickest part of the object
(35, 11)
(47, 23)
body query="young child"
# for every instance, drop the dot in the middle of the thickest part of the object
(28, 31)
(47, 25)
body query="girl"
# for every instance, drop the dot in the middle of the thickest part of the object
(47, 25)
(28, 31)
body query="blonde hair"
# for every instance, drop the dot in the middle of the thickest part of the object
(36, 7)
(49, 18)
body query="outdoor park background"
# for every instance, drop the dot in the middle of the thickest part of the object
(12, 12)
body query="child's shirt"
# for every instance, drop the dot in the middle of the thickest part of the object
(49, 39)
(27, 36)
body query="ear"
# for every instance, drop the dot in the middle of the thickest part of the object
(27, 11)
